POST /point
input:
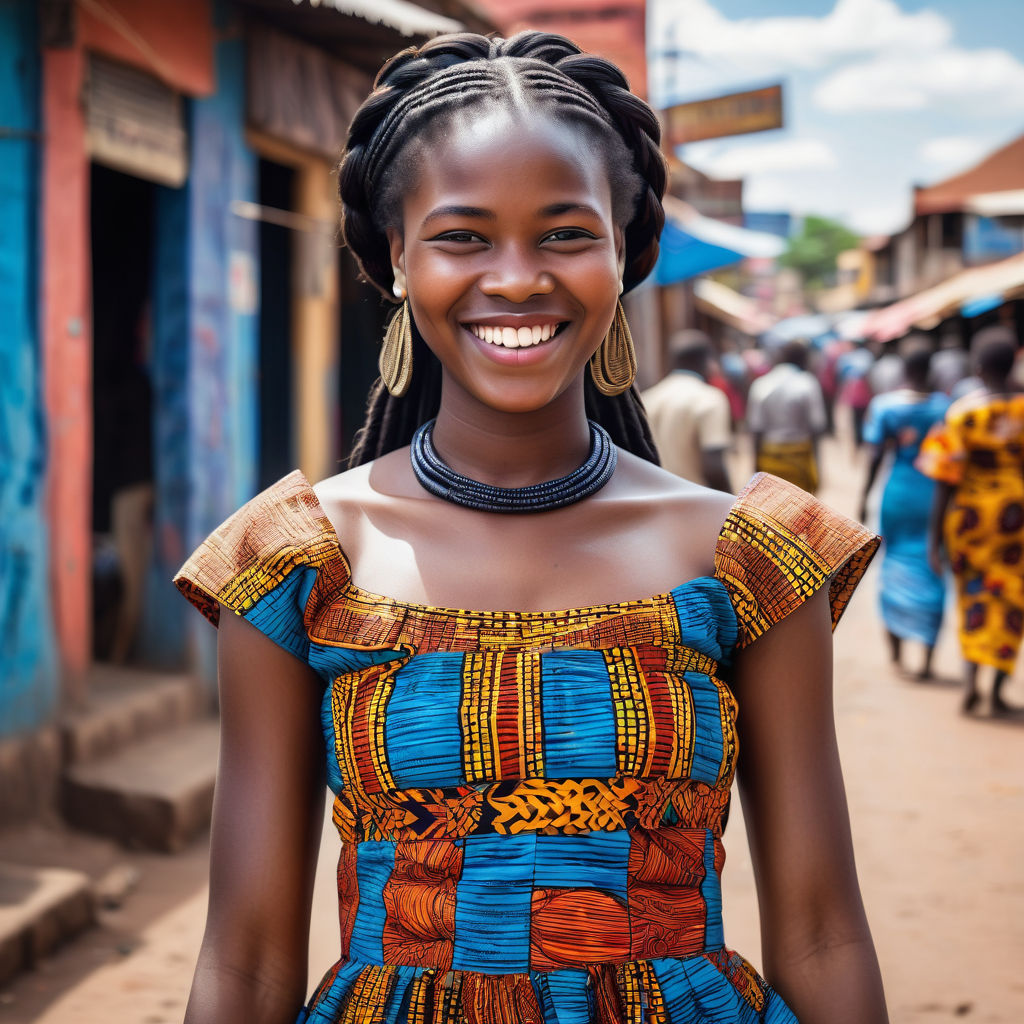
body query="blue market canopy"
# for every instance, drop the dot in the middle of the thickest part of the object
(692, 244)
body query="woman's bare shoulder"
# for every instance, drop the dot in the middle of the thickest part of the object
(675, 492)
(687, 515)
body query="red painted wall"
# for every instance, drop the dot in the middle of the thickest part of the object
(171, 39)
(67, 358)
(615, 29)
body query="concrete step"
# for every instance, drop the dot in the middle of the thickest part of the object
(39, 909)
(155, 795)
(127, 705)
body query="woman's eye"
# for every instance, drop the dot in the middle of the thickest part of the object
(568, 235)
(457, 236)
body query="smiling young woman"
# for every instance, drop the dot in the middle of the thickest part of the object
(531, 739)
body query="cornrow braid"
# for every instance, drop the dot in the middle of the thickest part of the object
(425, 87)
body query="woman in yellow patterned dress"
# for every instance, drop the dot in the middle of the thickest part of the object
(530, 756)
(977, 456)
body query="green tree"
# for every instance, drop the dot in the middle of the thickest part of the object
(814, 250)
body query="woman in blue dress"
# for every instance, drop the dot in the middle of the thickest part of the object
(911, 595)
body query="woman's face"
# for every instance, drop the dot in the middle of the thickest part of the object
(510, 256)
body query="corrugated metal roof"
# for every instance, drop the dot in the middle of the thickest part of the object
(401, 15)
(1001, 171)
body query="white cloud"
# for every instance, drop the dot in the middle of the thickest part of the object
(883, 219)
(852, 28)
(725, 161)
(954, 150)
(987, 81)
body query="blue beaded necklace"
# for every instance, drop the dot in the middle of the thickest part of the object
(441, 480)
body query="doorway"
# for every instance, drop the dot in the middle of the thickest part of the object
(122, 210)
(276, 447)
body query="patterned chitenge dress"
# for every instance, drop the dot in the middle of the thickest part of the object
(979, 451)
(530, 803)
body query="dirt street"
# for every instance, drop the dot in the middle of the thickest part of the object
(936, 799)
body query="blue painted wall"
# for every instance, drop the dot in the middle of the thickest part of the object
(28, 669)
(205, 357)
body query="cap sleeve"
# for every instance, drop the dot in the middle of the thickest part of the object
(778, 546)
(265, 562)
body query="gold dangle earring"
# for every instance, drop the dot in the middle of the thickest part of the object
(395, 361)
(613, 365)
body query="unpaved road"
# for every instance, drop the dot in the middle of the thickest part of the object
(937, 803)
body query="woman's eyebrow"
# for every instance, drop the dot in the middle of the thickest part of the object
(557, 209)
(459, 211)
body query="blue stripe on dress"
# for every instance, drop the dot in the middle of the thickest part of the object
(279, 613)
(564, 996)
(423, 732)
(696, 992)
(375, 860)
(711, 890)
(596, 861)
(331, 662)
(707, 619)
(707, 732)
(492, 904)
(578, 716)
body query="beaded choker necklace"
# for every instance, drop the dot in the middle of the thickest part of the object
(442, 481)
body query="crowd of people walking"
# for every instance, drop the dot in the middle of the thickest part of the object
(943, 431)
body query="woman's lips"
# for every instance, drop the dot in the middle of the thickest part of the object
(512, 355)
(519, 336)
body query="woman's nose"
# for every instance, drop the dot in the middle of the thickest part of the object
(515, 276)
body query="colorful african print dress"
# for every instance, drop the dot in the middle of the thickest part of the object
(530, 803)
(979, 451)
(910, 594)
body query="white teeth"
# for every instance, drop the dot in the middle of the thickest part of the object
(513, 337)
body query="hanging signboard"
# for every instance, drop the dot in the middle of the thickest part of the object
(134, 123)
(738, 113)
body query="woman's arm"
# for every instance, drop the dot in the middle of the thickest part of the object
(940, 503)
(878, 452)
(267, 817)
(816, 943)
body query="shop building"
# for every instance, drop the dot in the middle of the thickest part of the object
(182, 325)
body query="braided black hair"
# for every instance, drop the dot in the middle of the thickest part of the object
(420, 90)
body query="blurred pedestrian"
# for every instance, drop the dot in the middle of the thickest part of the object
(852, 371)
(886, 373)
(690, 418)
(977, 457)
(950, 364)
(972, 381)
(786, 417)
(911, 593)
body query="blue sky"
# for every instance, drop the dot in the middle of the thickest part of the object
(879, 94)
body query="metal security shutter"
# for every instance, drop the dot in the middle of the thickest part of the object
(135, 123)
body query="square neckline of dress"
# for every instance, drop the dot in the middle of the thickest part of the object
(634, 604)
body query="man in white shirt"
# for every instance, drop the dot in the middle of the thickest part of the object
(786, 416)
(690, 418)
